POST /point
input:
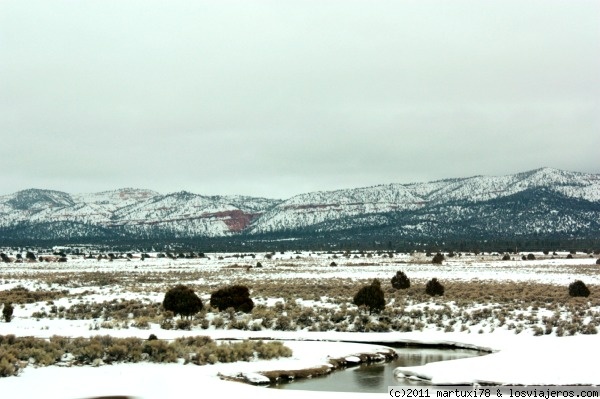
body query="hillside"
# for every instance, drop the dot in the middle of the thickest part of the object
(544, 203)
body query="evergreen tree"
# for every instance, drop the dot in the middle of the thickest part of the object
(371, 296)
(400, 280)
(7, 312)
(434, 287)
(234, 296)
(578, 288)
(182, 300)
(438, 258)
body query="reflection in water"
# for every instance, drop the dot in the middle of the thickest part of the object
(370, 376)
(377, 377)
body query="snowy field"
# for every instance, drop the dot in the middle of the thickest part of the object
(517, 309)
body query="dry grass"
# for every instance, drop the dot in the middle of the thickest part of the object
(21, 295)
(116, 310)
(18, 352)
(321, 304)
(524, 293)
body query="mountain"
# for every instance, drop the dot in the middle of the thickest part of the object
(126, 213)
(540, 204)
(444, 201)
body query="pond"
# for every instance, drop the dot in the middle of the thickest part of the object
(377, 377)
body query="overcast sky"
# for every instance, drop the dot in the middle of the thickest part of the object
(276, 98)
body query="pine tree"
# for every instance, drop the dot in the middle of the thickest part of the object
(438, 258)
(434, 287)
(234, 296)
(578, 288)
(371, 296)
(7, 312)
(400, 280)
(182, 300)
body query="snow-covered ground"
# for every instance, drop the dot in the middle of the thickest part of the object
(516, 358)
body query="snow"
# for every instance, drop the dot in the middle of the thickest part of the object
(312, 208)
(352, 359)
(185, 214)
(526, 360)
(513, 359)
(159, 381)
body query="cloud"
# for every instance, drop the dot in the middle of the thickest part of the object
(274, 98)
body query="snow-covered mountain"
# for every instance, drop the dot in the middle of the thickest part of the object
(544, 202)
(126, 212)
(315, 209)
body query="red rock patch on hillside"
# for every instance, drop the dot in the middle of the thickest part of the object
(236, 220)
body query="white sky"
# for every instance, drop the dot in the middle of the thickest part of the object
(275, 98)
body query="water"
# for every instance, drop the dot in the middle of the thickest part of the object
(377, 377)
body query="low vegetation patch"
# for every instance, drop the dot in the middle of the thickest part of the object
(21, 295)
(18, 352)
(284, 298)
(114, 310)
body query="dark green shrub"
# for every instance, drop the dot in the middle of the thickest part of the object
(434, 287)
(598, 261)
(400, 280)
(7, 312)
(234, 296)
(371, 296)
(506, 257)
(438, 259)
(182, 300)
(530, 257)
(578, 288)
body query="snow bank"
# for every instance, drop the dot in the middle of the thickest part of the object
(528, 361)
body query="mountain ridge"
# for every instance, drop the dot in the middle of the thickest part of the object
(477, 206)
